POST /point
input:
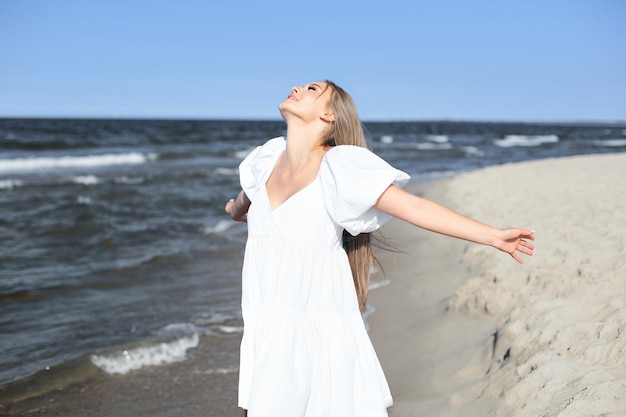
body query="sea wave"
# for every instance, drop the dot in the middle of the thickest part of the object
(226, 172)
(221, 370)
(472, 151)
(220, 227)
(379, 283)
(231, 329)
(84, 200)
(216, 318)
(243, 153)
(66, 161)
(437, 138)
(524, 140)
(140, 357)
(213, 324)
(86, 179)
(611, 143)
(10, 184)
(433, 146)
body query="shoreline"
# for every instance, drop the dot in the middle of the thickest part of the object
(411, 332)
(460, 329)
(204, 384)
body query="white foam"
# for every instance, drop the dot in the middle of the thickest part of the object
(613, 143)
(242, 154)
(226, 172)
(437, 138)
(215, 318)
(386, 139)
(160, 354)
(179, 329)
(220, 227)
(86, 179)
(10, 184)
(374, 284)
(472, 151)
(429, 146)
(83, 200)
(87, 161)
(221, 370)
(523, 140)
(231, 329)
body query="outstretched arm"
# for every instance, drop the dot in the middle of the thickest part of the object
(437, 218)
(238, 207)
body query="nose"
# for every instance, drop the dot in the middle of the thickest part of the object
(295, 89)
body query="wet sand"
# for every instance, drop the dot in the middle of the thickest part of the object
(205, 384)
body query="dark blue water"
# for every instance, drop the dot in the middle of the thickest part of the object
(113, 241)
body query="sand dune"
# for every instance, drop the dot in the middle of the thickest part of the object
(473, 333)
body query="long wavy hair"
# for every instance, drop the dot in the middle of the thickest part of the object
(348, 130)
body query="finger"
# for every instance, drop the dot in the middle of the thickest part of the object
(525, 250)
(517, 258)
(526, 234)
(527, 244)
(229, 204)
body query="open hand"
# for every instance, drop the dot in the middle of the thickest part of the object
(513, 241)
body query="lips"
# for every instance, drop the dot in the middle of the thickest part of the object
(292, 97)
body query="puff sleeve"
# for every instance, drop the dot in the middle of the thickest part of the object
(256, 168)
(353, 178)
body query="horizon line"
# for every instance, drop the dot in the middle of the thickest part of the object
(254, 119)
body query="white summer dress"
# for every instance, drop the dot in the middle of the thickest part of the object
(305, 351)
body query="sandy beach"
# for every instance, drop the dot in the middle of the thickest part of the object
(464, 330)
(461, 329)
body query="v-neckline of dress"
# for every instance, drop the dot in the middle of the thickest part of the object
(300, 191)
(291, 197)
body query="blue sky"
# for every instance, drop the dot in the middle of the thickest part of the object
(401, 60)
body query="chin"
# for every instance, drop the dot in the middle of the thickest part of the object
(285, 110)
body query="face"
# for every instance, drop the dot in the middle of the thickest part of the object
(308, 102)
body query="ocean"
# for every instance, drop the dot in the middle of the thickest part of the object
(115, 251)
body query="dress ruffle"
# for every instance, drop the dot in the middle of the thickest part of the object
(308, 354)
(353, 179)
(255, 169)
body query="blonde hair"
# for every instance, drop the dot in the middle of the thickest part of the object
(348, 130)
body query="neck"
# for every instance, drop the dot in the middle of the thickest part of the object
(304, 142)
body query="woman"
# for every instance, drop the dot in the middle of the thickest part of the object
(310, 201)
